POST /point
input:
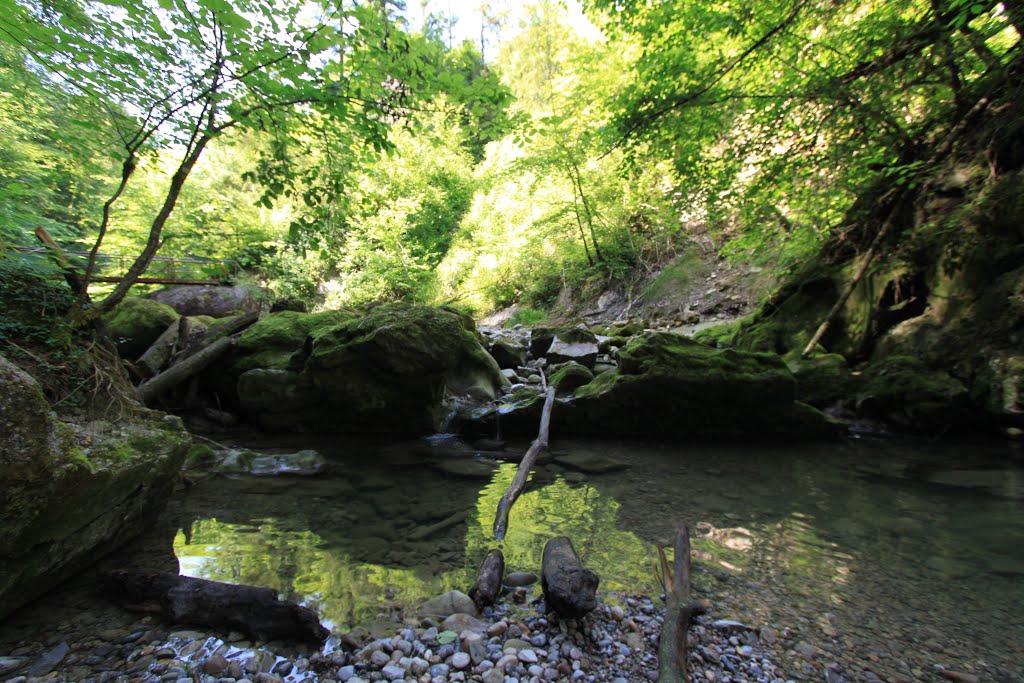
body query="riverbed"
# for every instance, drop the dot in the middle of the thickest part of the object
(867, 559)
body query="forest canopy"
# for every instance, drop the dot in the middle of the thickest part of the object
(346, 152)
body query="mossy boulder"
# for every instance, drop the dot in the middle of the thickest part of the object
(385, 371)
(904, 392)
(823, 379)
(135, 324)
(508, 353)
(69, 494)
(570, 377)
(669, 386)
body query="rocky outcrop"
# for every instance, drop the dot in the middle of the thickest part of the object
(136, 323)
(387, 370)
(669, 386)
(71, 493)
(929, 339)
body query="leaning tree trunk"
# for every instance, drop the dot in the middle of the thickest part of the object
(523, 473)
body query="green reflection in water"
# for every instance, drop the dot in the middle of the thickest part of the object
(309, 555)
(581, 512)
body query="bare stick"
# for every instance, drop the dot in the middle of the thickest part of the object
(523, 473)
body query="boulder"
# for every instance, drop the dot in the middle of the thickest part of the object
(508, 353)
(135, 324)
(386, 371)
(212, 300)
(569, 377)
(904, 392)
(65, 505)
(670, 386)
(578, 345)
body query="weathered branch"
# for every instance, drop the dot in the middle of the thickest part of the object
(523, 473)
(679, 610)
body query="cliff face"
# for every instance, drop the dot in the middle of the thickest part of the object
(70, 492)
(931, 336)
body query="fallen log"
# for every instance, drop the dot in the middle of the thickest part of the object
(569, 588)
(523, 473)
(257, 612)
(154, 388)
(488, 579)
(156, 356)
(193, 341)
(679, 610)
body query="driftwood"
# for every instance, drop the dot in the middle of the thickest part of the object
(523, 473)
(488, 579)
(154, 388)
(679, 610)
(254, 611)
(569, 588)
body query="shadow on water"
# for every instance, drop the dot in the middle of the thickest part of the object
(883, 541)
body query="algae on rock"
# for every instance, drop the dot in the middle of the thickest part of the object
(72, 492)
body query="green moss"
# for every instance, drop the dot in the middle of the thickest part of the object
(570, 377)
(720, 336)
(135, 324)
(199, 454)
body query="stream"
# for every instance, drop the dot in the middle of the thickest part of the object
(889, 557)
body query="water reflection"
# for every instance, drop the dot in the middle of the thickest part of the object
(928, 531)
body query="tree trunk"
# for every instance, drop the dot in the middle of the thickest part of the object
(156, 228)
(569, 589)
(156, 387)
(488, 579)
(523, 473)
(254, 611)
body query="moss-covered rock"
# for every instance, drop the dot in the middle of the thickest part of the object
(135, 324)
(508, 353)
(904, 392)
(823, 379)
(387, 370)
(70, 493)
(570, 377)
(670, 386)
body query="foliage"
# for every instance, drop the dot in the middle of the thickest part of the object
(778, 114)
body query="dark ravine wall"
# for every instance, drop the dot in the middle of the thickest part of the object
(73, 492)
(932, 338)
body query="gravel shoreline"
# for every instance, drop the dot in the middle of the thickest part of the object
(513, 642)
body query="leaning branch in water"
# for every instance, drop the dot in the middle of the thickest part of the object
(523, 473)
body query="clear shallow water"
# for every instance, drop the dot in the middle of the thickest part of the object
(906, 551)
